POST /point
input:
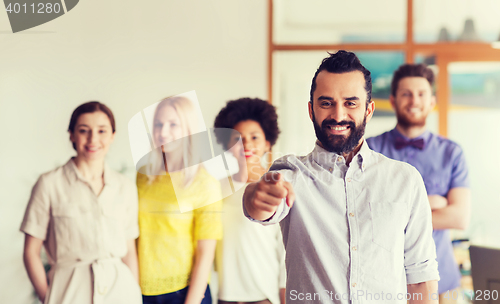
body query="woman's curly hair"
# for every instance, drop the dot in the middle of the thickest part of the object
(243, 109)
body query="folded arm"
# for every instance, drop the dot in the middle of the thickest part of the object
(456, 214)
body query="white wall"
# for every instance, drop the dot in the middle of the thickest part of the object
(127, 54)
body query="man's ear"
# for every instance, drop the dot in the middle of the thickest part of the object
(392, 100)
(369, 110)
(309, 104)
(433, 101)
(71, 138)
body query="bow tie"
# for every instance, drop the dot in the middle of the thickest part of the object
(401, 143)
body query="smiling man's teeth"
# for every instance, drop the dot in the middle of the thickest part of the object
(338, 128)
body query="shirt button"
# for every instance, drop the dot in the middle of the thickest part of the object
(354, 248)
(339, 159)
(353, 284)
(351, 214)
(348, 180)
(330, 169)
(103, 290)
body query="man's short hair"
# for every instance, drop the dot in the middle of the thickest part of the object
(411, 70)
(343, 62)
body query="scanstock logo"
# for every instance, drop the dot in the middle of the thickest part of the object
(170, 144)
(26, 14)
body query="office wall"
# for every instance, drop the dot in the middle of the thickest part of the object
(128, 55)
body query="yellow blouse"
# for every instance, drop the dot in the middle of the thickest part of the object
(168, 238)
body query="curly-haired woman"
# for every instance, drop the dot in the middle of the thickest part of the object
(250, 257)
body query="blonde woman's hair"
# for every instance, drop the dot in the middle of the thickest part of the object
(191, 158)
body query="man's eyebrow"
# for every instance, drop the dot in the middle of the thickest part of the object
(352, 98)
(325, 98)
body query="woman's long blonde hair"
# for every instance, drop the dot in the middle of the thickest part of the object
(191, 158)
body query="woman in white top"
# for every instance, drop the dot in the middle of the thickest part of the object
(85, 215)
(250, 257)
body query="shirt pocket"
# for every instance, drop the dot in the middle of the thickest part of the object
(67, 229)
(388, 223)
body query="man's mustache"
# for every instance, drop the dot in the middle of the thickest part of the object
(332, 123)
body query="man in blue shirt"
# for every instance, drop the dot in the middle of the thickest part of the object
(440, 161)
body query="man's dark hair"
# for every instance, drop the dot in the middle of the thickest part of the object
(343, 62)
(411, 70)
(243, 109)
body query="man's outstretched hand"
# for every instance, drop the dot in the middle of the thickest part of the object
(261, 199)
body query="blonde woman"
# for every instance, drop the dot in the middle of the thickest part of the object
(85, 215)
(178, 210)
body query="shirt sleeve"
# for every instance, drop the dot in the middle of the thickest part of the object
(460, 172)
(281, 256)
(37, 216)
(207, 219)
(132, 217)
(280, 214)
(420, 250)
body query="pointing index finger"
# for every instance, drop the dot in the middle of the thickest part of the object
(272, 177)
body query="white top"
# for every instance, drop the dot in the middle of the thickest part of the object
(250, 258)
(85, 236)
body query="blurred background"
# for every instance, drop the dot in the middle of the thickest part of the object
(130, 54)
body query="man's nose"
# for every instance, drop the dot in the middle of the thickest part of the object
(338, 113)
(413, 98)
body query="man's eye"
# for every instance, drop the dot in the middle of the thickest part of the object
(102, 131)
(326, 103)
(81, 131)
(351, 104)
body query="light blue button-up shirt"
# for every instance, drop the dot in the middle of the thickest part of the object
(357, 233)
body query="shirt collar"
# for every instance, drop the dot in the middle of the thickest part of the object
(74, 175)
(425, 136)
(326, 158)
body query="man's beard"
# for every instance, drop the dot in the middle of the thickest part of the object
(338, 143)
(406, 122)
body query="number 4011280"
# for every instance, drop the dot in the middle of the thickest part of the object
(478, 295)
(39, 8)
